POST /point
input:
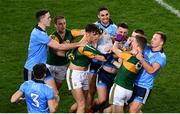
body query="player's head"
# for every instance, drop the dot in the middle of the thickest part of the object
(39, 71)
(103, 15)
(93, 32)
(60, 24)
(43, 17)
(123, 29)
(137, 32)
(158, 40)
(139, 42)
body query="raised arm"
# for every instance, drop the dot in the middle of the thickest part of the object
(54, 44)
(150, 68)
(91, 53)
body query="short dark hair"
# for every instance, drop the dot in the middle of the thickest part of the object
(163, 36)
(93, 28)
(123, 25)
(40, 14)
(102, 8)
(39, 70)
(58, 17)
(140, 31)
(142, 41)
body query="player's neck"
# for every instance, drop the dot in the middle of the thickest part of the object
(42, 26)
(104, 24)
(159, 48)
(61, 33)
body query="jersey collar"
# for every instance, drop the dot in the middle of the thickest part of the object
(39, 28)
(38, 81)
(110, 23)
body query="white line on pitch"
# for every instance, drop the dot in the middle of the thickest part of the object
(168, 7)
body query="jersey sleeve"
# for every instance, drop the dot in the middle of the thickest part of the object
(23, 87)
(88, 51)
(125, 55)
(161, 60)
(49, 93)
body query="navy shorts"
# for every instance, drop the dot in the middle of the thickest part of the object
(105, 79)
(140, 94)
(94, 67)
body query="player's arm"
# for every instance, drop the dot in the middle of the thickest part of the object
(150, 68)
(93, 54)
(53, 104)
(54, 44)
(16, 96)
(118, 63)
(116, 50)
(77, 32)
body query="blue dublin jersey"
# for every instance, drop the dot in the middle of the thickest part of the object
(110, 29)
(37, 95)
(145, 79)
(37, 51)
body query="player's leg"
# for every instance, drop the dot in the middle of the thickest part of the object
(92, 83)
(117, 98)
(108, 109)
(73, 108)
(117, 109)
(75, 80)
(80, 99)
(60, 72)
(100, 101)
(135, 107)
(138, 99)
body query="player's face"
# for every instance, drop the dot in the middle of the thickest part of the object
(94, 36)
(46, 19)
(156, 41)
(104, 16)
(123, 31)
(134, 44)
(61, 25)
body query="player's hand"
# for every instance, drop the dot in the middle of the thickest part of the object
(139, 56)
(20, 100)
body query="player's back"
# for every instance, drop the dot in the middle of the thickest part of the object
(37, 95)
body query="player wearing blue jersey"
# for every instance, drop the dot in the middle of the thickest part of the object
(38, 45)
(39, 97)
(104, 42)
(154, 60)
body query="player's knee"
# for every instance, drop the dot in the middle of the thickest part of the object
(81, 104)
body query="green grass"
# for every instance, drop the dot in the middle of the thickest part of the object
(17, 21)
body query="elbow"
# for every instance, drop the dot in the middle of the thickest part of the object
(150, 71)
(12, 100)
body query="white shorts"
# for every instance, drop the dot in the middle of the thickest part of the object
(119, 95)
(77, 79)
(58, 72)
